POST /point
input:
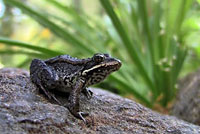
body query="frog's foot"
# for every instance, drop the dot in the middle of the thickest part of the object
(77, 114)
(88, 93)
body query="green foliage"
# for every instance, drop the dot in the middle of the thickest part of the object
(145, 35)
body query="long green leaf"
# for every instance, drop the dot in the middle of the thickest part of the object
(185, 4)
(146, 31)
(13, 52)
(46, 51)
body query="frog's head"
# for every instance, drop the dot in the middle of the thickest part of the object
(99, 67)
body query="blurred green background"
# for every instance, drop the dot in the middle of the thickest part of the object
(156, 40)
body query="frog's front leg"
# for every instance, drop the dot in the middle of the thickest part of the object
(73, 105)
(44, 77)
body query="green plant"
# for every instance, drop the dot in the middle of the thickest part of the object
(146, 35)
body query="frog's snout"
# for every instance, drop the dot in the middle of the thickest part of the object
(115, 64)
(119, 64)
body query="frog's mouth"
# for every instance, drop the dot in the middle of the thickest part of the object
(110, 66)
(114, 64)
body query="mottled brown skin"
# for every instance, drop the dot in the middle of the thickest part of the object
(72, 75)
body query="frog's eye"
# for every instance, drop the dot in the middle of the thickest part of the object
(107, 55)
(98, 58)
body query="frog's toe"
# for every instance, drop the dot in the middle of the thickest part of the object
(88, 93)
(81, 115)
(76, 112)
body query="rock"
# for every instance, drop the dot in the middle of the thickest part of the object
(25, 110)
(12, 71)
(187, 105)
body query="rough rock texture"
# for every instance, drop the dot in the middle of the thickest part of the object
(187, 106)
(23, 109)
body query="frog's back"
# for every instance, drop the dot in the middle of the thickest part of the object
(67, 59)
(64, 69)
(67, 74)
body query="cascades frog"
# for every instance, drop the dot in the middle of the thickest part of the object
(72, 75)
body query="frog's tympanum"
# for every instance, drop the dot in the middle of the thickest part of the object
(72, 75)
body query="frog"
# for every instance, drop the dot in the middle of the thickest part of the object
(71, 75)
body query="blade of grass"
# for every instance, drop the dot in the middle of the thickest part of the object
(157, 47)
(185, 5)
(145, 25)
(156, 30)
(178, 64)
(13, 52)
(172, 9)
(45, 51)
(135, 23)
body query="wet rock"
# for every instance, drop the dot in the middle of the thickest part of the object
(187, 105)
(23, 109)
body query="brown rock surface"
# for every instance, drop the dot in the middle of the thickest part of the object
(25, 110)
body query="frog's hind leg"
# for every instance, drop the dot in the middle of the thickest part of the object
(43, 77)
(49, 94)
